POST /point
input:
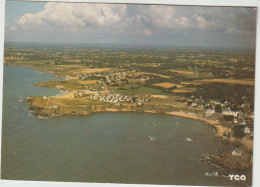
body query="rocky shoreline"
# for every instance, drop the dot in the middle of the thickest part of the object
(226, 161)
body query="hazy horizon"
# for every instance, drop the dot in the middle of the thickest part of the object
(130, 46)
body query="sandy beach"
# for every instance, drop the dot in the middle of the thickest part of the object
(193, 116)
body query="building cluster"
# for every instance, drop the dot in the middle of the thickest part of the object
(111, 97)
(141, 78)
(122, 77)
(116, 98)
(89, 75)
(240, 116)
(118, 78)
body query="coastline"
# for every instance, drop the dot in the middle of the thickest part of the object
(193, 116)
(44, 111)
(227, 162)
(220, 129)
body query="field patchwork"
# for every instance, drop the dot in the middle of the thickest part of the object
(167, 85)
(183, 72)
(250, 82)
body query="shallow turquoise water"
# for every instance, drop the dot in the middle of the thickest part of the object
(103, 147)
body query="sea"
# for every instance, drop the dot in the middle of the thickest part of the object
(106, 147)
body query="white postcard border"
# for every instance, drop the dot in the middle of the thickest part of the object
(247, 3)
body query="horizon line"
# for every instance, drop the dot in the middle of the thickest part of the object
(127, 45)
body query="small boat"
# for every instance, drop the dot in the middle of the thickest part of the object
(190, 140)
(206, 155)
(151, 138)
(212, 174)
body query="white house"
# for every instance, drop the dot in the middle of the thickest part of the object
(230, 113)
(247, 130)
(243, 123)
(209, 112)
(54, 107)
(237, 152)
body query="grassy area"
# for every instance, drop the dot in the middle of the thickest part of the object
(132, 89)
(65, 84)
(167, 85)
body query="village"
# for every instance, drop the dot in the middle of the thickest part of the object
(115, 98)
(115, 78)
(239, 116)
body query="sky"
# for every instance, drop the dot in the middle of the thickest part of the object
(132, 24)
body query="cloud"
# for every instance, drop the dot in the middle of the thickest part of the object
(72, 16)
(129, 20)
(100, 14)
(117, 18)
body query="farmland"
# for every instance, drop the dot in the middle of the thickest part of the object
(231, 81)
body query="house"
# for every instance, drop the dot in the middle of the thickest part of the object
(226, 134)
(209, 112)
(247, 130)
(200, 106)
(215, 102)
(230, 113)
(243, 122)
(55, 107)
(237, 152)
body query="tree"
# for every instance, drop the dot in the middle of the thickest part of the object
(189, 103)
(238, 131)
(218, 108)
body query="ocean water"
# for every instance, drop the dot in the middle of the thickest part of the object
(135, 148)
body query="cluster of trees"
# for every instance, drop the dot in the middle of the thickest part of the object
(234, 93)
(238, 131)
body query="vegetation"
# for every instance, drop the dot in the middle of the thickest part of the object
(238, 131)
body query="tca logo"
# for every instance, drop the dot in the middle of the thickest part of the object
(237, 177)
